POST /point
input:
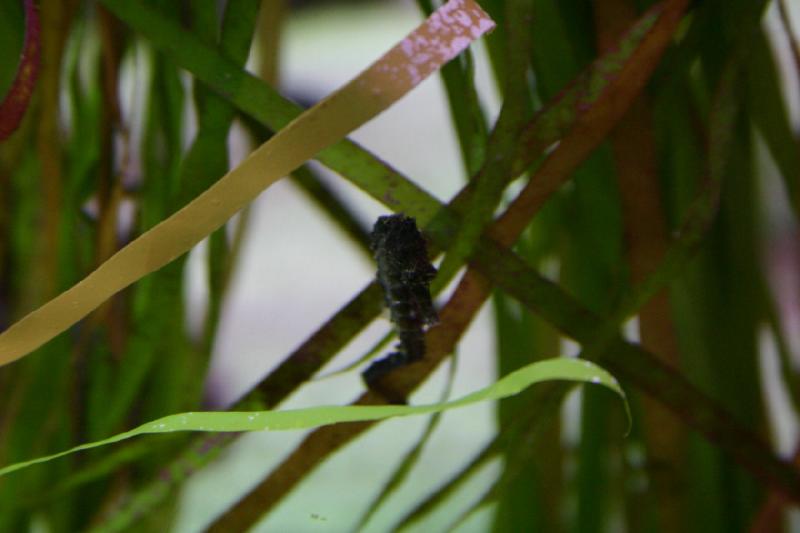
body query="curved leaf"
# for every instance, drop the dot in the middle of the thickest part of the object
(215, 421)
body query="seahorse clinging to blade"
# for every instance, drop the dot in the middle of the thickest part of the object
(405, 273)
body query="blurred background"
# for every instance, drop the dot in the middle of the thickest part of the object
(324, 44)
(292, 254)
(296, 267)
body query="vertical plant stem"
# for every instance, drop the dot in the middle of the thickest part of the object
(633, 145)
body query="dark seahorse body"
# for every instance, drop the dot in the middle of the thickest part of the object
(405, 273)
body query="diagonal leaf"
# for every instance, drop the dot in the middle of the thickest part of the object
(411, 457)
(527, 428)
(489, 183)
(426, 49)
(440, 495)
(364, 170)
(504, 267)
(468, 118)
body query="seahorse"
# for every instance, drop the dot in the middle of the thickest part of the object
(405, 274)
